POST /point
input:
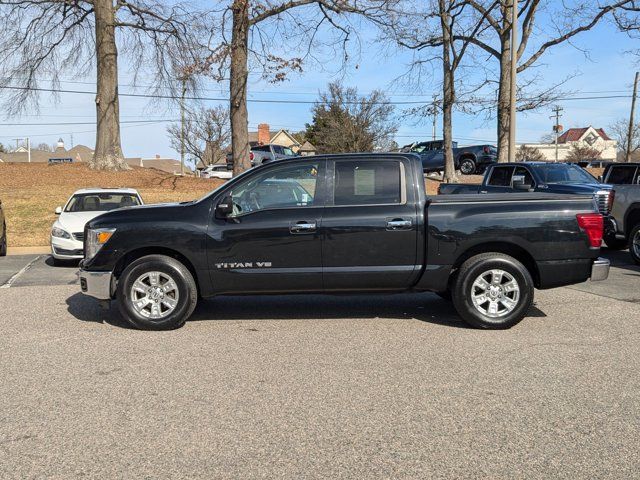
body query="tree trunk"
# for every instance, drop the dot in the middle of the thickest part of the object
(238, 87)
(108, 151)
(504, 102)
(448, 96)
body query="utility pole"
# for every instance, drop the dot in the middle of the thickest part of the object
(514, 71)
(28, 149)
(627, 157)
(557, 110)
(182, 134)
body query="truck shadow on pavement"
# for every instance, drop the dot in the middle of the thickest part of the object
(427, 308)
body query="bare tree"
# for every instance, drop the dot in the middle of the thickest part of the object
(41, 40)
(343, 121)
(579, 153)
(45, 147)
(440, 38)
(567, 19)
(620, 131)
(259, 29)
(529, 153)
(207, 135)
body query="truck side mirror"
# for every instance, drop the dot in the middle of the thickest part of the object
(58, 210)
(225, 207)
(518, 183)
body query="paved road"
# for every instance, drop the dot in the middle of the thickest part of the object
(319, 387)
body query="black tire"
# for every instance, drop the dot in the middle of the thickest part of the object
(614, 243)
(634, 244)
(463, 286)
(3, 242)
(187, 290)
(467, 166)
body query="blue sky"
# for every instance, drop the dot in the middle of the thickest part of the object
(609, 69)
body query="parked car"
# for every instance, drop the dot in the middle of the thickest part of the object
(518, 177)
(217, 171)
(469, 160)
(625, 179)
(3, 232)
(67, 233)
(342, 223)
(260, 154)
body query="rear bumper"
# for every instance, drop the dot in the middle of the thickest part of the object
(600, 269)
(558, 273)
(96, 284)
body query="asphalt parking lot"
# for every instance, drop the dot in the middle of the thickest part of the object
(364, 386)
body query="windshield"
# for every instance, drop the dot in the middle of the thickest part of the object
(101, 202)
(559, 173)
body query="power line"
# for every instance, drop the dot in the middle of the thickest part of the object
(297, 102)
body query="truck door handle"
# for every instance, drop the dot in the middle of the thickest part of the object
(302, 227)
(398, 224)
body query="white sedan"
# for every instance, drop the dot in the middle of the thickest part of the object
(217, 171)
(67, 233)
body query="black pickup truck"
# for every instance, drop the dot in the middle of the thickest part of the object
(469, 159)
(341, 223)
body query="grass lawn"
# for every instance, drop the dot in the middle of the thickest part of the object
(31, 192)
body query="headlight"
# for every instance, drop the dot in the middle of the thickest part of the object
(60, 233)
(95, 240)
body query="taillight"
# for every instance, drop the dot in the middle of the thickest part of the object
(593, 224)
(251, 156)
(439, 188)
(612, 197)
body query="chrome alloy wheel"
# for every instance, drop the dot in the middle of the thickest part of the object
(495, 293)
(635, 244)
(154, 295)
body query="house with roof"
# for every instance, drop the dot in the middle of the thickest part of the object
(282, 137)
(78, 153)
(591, 137)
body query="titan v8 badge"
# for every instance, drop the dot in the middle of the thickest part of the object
(244, 265)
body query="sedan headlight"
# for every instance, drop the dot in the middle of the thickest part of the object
(60, 233)
(95, 240)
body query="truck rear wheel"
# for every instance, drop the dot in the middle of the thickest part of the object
(467, 166)
(492, 291)
(634, 244)
(156, 292)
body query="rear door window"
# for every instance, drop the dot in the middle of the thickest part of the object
(528, 179)
(500, 177)
(367, 183)
(621, 175)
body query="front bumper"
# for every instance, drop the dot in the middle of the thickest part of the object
(66, 248)
(600, 269)
(97, 284)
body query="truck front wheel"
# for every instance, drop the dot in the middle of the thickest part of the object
(492, 291)
(156, 292)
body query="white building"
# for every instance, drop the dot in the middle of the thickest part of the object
(584, 137)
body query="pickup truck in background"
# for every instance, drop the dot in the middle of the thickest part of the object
(625, 211)
(469, 160)
(561, 178)
(260, 154)
(342, 223)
